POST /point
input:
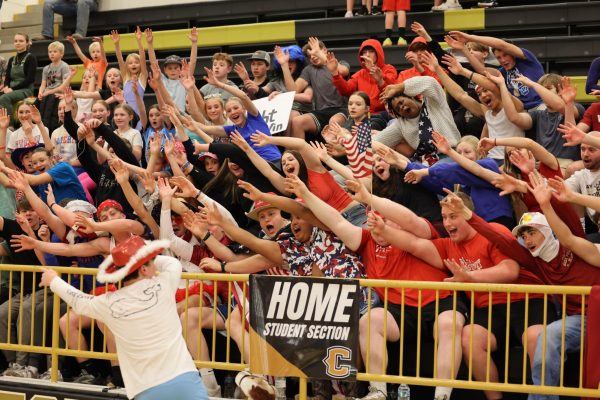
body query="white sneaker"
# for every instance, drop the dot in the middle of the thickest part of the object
(448, 5)
(253, 384)
(22, 372)
(349, 14)
(374, 394)
(46, 376)
(214, 392)
(11, 368)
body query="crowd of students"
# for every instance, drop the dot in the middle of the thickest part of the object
(513, 158)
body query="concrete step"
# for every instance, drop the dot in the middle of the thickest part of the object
(34, 20)
(10, 8)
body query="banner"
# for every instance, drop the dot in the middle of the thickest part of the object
(276, 112)
(304, 327)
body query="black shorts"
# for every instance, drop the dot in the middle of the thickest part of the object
(321, 117)
(428, 316)
(535, 316)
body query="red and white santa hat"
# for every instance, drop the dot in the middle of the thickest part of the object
(128, 257)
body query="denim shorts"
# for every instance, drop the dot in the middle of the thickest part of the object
(357, 216)
(187, 386)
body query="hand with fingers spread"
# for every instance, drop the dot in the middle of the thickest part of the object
(156, 144)
(193, 36)
(138, 33)
(455, 43)
(185, 188)
(320, 150)
(332, 63)
(416, 175)
(119, 169)
(463, 37)
(165, 190)
(389, 92)
(195, 224)
(485, 145)
(282, 57)
(240, 70)
(538, 186)
(341, 133)
(210, 78)
(4, 119)
(148, 182)
(260, 139)
(568, 92)
(22, 243)
(239, 141)
(497, 79)
(86, 225)
(149, 36)
(458, 273)
(252, 192)
(114, 35)
(571, 134)
(441, 143)
(456, 204)
(561, 191)
(18, 180)
(375, 223)
(293, 184)
(525, 164)
(213, 215)
(389, 155)
(430, 60)
(335, 149)
(452, 64)
(420, 30)
(361, 194)
(508, 184)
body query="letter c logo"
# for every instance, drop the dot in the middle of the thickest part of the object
(337, 362)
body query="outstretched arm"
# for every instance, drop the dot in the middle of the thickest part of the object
(492, 42)
(310, 158)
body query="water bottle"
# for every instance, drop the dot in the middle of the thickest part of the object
(280, 388)
(403, 392)
(229, 387)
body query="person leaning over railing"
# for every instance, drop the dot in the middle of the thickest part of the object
(555, 262)
(473, 258)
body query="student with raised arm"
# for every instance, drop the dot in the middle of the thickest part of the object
(489, 106)
(383, 261)
(97, 59)
(514, 61)
(245, 117)
(299, 159)
(536, 249)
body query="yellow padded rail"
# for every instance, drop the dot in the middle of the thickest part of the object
(582, 96)
(265, 32)
(462, 20)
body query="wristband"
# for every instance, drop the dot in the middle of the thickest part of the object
(205, 238)
(51, 205)
(471, 77)
(495, 142)
(198, 194)
(223, 264)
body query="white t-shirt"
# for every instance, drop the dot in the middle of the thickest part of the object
(133, 136)
(65, 146)
(586, 182)
(17, 139)
(144, 320)
(499, 126)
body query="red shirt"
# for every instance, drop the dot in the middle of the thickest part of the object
(391, 263)
(547, 172)
(479, 253)
(327, 189)
(591, 117)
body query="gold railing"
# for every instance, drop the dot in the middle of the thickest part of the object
(56, 349)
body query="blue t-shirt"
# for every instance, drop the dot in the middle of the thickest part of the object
(529, 67)
(65, 183)
(253, 124)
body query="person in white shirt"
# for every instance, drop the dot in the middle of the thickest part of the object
(143, 317)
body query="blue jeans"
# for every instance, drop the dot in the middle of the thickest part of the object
(67, 8)
(186, 386)
(553, 349)
(357, 215)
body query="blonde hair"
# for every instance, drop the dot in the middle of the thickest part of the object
(476, 46)
(93, 46)
(472, 141)
(551, 80)
(57, 46)
(223, 57)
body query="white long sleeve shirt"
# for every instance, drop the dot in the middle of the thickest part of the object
(144, 320)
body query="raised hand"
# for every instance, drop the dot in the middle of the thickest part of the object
(241, 71)
(87, 225)
(524, 80)
(568, 92)
(185, 188)
(389, 92)
(138, 34)
(36, 117)
(114, 35)
(375, 223)
(18, 180)
(432, 62)
(165, 190)
(155, 144)
(213, 215)
(210, 78)
(22, 243)
(360, 191)
(507, 184)
(260, 139)
(148, 182)
(452, 64)
(332, 63)
(485, 145)
(455, 43)
(526, 165)
(416, 175)
(441, 143)
(68, 93)
(149, 36)
(281, 56)
(193, 36)
(71, 39)
(293, 184)
(458, 35)
(538, 186)
(320, 150)
(239, 141)
(456, 204)
(561, 191)
(571, 133)
(458, 273)
(420, 30)
(4, 119)
(252, 192)
(119, 169)
(497, 79)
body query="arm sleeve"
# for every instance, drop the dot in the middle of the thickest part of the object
(83, 304)
(116, 143)
(437, 50)
(507, 244)
(70, 125)
(450, 173)
(182, 249)
(346, 87)
(189, 152)
(593, 75)
(224, 212)
(88, 160)
(200, 177)
(431, 183)
(7, 73)
(391, 135)
(427, 86)
(29, 68)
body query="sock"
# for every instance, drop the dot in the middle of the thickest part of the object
(388, 33)
(442, 393)
(208, 377)
(117, 378)
(382, 386)
(90, 367)
(401, 31)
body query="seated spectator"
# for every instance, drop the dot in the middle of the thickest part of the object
(260, 61)
(67, 8)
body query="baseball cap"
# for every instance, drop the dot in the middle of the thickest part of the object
(261, 55)
(531, 220)
(173, 59)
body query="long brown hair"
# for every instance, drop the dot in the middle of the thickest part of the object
(226, 182)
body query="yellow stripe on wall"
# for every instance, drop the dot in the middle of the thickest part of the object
(462, 20)
(266, 32)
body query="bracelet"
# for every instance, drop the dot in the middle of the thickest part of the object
(223, 264)
(471, 77)
(51, 205)
(185, 165)
(495, 142)
(205, 238)
(198, 194)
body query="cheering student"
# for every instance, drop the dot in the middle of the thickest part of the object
(143, 316)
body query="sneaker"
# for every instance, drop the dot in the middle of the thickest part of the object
(214, 392)
(487, 4)
(401, 42)
(77, 36)
(362, 12)
(40, 37)
(11, 367)
(387, 42)
(110, 385)
(46, 376)
(256, 385)
(22, 372)
(87, 378)
(349, 14)
(376, 10)
(374, 394)
(447, 6)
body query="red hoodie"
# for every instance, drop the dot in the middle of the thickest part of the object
(412, 72)
(363, 81)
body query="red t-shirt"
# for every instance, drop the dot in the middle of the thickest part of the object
(392, 263)
(547, 172)
(591, 117)
(327, 189)
(479, 253)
